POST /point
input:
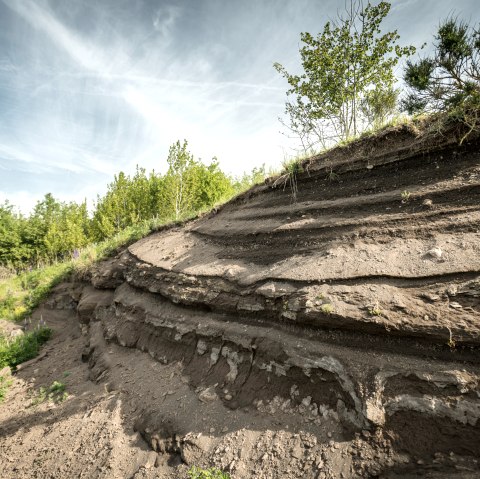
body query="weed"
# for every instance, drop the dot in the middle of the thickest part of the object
(405, 196)
(375, 310)
(56, 393)
(327, 308)
(291, 169)
(332, 176)
(212, 473)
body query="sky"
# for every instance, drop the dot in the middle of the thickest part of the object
(89, 88)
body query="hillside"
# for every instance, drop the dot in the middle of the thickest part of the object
(331, 335)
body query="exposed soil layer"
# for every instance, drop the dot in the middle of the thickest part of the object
(334, 336)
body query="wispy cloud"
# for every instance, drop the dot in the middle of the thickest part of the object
(165, 18)
(43, 19)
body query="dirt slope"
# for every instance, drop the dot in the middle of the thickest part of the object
(335, 336)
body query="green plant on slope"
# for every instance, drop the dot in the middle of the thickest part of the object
(5, 383)
(212, 473)
(291, 169)
(375, 310)
(22, 348)
(406, 196)
(56, 393)
(327, 308)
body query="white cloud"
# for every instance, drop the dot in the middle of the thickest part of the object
(43, 19)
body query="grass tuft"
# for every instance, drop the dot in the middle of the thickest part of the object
(5, 383)
(22, 348)
(56, 393)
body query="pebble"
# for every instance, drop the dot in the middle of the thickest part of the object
(435, 253)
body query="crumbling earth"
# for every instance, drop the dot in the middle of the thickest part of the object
(335, 336)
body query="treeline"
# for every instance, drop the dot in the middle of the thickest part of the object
(56, 230)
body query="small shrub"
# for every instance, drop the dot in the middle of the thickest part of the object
(406, 196)
(327, 308)
(332, 176)
(212, 473)
(22, 348)
(375, 310)
(56, 392)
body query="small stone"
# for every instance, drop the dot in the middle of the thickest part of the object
(427, 202)
(228, 397)
(306, 401)
(208, 395)
(435, 253)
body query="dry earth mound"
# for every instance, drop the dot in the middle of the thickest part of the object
(331, 335)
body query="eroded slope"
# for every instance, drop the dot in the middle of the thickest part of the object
(332, 336)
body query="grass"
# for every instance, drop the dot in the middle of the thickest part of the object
(212, 473)
(22, 348)
(56, 393)
(291, 169)
(5, 383)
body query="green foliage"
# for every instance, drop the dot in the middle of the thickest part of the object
(375, 310)
(21, 294)
(212, 473)
(188, 187)
(22, 348)
(56, 393)
(406, 196)
(449, 80)
(257, 176)
(327, 308)
(379, 105)
(57, 231)
(348, 75)
(5, 383)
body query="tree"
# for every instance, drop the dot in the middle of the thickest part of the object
(346, 67)
(179, 160)
(449, 79)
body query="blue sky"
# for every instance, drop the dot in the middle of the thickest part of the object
(89, 88)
